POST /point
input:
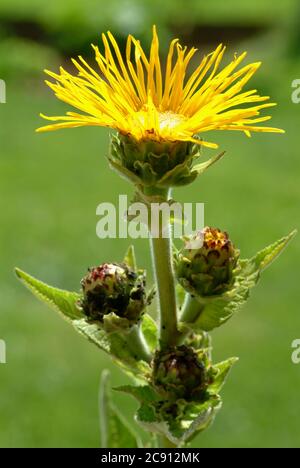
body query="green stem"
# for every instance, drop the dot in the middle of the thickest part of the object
(161, 254)
(164, 442)
(191, 309)
(136, 342)
(103, 408)
(190, 312)
(161, 249)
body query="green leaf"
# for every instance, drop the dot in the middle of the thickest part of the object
(115, 344)
(221, 371)
(192, 417)
(61, 301)
(147, 414)
(143, 393)
(147, 417)
(218, 309)
(115, 430)
(196, 418)
(265, 257)
(149, 329)
(130, 259)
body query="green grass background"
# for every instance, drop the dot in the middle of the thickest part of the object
(50, 186)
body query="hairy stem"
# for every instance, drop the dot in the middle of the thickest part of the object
(161, 250)
(161, 254)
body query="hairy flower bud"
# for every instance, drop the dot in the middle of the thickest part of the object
(113, 288)
(178, 373)
(150, 162)
(205, 266)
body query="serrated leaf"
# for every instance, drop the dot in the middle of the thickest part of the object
(62, 301)
(150, 332)
(143, 393)
(193, 417)
(266, 256)
(222, 370)
(115, 344)
(218, 309)
(114, 429)
(197, 417)
(130, 259)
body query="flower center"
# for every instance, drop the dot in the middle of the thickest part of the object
(170, 120)
(214, 238)
(166, 120)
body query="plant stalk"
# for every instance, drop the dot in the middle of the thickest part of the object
(164, 442)
(191, 309)
(161, 250)
(136, 342)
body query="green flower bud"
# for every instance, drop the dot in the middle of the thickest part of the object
(154, 163)
(113, 288)
(206, 265)
(178, 373)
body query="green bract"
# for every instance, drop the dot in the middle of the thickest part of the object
(114, 294)
(160, 164)
(176, 418)
(205, 266)
(204, 313)
(180, 373)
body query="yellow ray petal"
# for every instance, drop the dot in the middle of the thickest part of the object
(131, 94)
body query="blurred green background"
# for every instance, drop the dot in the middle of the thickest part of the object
(51, 184)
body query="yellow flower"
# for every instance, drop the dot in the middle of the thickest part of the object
(132, 95)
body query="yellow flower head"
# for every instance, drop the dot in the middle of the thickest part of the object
(132, 95)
